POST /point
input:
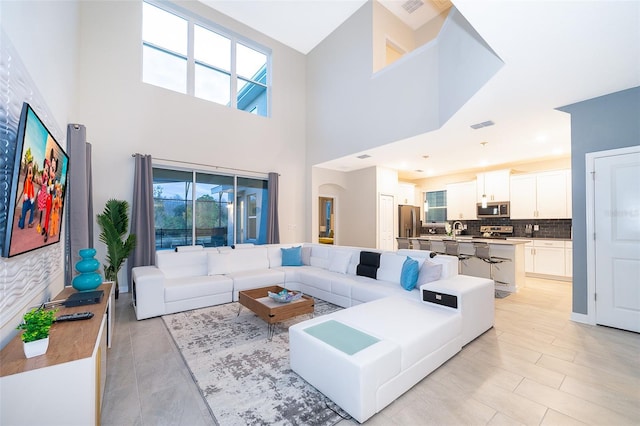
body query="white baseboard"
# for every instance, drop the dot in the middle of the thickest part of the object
(582, 318)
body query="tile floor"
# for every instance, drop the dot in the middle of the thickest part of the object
(535, 367)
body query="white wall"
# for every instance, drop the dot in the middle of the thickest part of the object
(42, 36)
(349, 109)
(387, 26)
(359, 213)
(45, 35)
(356, 205)
(124, 116)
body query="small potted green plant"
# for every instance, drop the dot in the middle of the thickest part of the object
(35, 335)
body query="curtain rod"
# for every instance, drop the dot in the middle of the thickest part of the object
(205, 165)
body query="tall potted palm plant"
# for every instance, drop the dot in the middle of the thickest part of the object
(114, 222)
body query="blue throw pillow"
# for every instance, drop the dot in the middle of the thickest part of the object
(409, 275)
(292, 256)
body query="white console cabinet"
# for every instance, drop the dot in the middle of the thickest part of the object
(65, 385)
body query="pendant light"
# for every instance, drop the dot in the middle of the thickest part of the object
(483, 200)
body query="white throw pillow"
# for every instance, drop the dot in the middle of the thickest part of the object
(319, 262)
(217, 263)
(339, 261)
(390, 267)
(306, 255)
(430, 271)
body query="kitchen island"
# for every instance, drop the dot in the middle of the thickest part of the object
(508, 271)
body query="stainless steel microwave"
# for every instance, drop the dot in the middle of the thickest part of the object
(494, 209)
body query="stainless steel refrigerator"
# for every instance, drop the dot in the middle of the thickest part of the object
(409, 222)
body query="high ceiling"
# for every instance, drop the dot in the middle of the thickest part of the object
(555, 53)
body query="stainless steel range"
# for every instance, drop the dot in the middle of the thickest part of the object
(495, 232)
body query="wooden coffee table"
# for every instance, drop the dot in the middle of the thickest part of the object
(258, 301)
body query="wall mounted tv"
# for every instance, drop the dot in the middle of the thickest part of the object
(38, 188)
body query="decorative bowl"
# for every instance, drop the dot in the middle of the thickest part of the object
(285, 296)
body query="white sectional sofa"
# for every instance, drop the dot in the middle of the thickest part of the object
(407, 341)
(410, 333)
(195, 277)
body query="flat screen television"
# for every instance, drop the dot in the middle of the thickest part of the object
(38, 188)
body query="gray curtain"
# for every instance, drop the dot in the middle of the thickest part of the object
(273, 227)
(79, 203)
(142, 222)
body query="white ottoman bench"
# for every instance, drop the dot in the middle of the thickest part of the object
(365, 357)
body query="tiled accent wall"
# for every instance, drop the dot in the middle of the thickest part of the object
(24, 277)
(548, 228)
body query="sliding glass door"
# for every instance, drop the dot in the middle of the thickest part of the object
(199, 208)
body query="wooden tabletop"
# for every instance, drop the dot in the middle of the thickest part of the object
(68, 341)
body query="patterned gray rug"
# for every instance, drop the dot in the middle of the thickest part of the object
(244, 377)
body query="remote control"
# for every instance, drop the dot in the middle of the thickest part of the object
(75, 317)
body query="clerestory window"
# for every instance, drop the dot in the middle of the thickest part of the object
(186, 54)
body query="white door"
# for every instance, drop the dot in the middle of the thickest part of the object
(617, 240)
(386, 223)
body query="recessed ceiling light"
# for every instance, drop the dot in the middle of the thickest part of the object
(363, 156)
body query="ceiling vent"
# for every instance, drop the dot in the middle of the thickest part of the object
(363, 156)
(483, 124)
(412, 5)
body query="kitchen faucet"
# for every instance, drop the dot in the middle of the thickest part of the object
(457, 227)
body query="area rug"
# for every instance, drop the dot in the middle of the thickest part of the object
(245, 377)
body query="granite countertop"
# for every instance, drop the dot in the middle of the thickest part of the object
(476, 237)
(470, 238)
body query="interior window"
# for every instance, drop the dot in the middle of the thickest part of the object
(435, 206)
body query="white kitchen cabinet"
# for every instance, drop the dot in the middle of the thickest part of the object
(569, 193)
(568, 259)
(461, 201)
(541, 195)
(406, 194)
(529, 251)
(548, 258)
(495, 185)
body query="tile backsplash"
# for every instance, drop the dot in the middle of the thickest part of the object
(548, 228)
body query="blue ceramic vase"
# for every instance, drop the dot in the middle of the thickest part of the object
(88, 279)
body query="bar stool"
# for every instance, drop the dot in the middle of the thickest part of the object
(483, 252)
(424, 244)
(403, 243)
(452, 248)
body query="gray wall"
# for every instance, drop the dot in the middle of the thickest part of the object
(607, 122)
